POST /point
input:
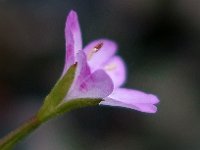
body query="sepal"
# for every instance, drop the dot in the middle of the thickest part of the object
(58, 93)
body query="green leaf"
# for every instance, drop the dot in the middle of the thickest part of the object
(58, 93)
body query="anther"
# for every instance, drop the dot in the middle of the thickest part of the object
(94, 50)
(98, 47)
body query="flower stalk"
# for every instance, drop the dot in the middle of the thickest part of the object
(9, 141)
(18, 134)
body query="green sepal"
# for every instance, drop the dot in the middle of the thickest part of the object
(75, 104)
(58, 93)
(71, 105)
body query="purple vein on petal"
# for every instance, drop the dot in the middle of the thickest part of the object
(96, 85)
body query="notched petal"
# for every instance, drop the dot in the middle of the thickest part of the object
(132, 99)
(133, 96)
(147, 108)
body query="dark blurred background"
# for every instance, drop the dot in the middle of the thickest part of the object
(159, 41)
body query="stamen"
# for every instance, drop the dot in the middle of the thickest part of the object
(94, 50)
(110, 67)
(98, 47)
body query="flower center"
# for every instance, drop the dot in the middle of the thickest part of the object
(94, 50)
(110, 67)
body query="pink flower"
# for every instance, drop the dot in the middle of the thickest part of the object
(100, 73)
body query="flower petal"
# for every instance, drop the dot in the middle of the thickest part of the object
(148, 108)
(133, 96)
(83, 70)
(132, 99)
(96, 85)
(72, 25)
(99, 58)
(73, 39)
(116, 69)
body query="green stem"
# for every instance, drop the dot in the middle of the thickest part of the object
(18, 134)
(8, 142)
